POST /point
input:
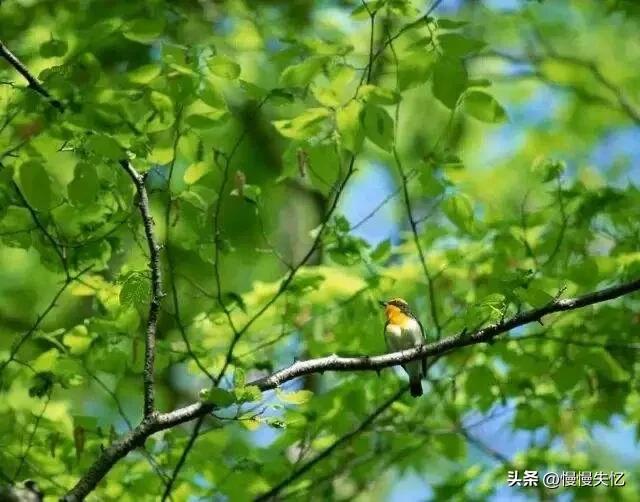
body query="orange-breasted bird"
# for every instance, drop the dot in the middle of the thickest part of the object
(404, 331)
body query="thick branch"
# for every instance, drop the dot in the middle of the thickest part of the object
(156, 287)
(336, 363)
(163, 421)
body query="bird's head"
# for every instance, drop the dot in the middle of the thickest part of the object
(394, 306)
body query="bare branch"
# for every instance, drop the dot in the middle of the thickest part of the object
(156, 287)
(158, 422)
(445, 345)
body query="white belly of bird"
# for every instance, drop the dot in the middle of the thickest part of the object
(405, 338)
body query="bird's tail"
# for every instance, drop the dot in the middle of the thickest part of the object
(415, 386)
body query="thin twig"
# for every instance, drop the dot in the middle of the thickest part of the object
(32, 436)
(59, 250)
(18, 344)
(171, 266)
(273, 492)
(410, 214)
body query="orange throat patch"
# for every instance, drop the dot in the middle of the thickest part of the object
(396, 316)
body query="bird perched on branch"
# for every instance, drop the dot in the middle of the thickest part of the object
(403, 331)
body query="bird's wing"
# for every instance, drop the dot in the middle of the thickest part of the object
(386, 337)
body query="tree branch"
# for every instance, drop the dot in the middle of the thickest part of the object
(155, 423)
(273, 492)
(15, 348)
(156, 287)
(31, 79)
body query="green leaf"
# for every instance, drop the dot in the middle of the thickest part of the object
(449, 81)
(239, 377)
(350, 126)
(247, 394)
(567, 376)
(135, 290)
(206, 120)
(53, 48)
(379, 95)
(77, 339)
(451, 24)
(535, 296)
(431, 185)
(232, 300)
(547, 169)
(528, 417)
(378, 126)
(305, 283)
(84, 187)
(15, 219)
(46, 361)
(483, 107)
(36, 185)
(144, 31)
(604, 363)
(304, 125)
(211, 96)
(457, 46)
(217, 396)
(301, 74)
(415, 68)
(144, 74)
(196, 171)
(252, 192)
(459, 210)
(452, 446)
(105, 146)
(298, 397)
(479, 381)
(276, 423)
(382, 251)
(224, 67)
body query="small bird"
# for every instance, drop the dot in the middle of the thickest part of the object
(403, 331)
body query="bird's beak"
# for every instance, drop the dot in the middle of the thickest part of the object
(382, 303)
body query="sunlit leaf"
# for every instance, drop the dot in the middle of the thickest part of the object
(224, 67)
(484, 107)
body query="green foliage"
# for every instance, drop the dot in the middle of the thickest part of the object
(247, 122)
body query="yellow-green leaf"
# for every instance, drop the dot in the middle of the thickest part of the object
(350, 126)
(224, 67)
(297, 397)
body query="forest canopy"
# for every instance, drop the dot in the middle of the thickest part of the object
(202, 204)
